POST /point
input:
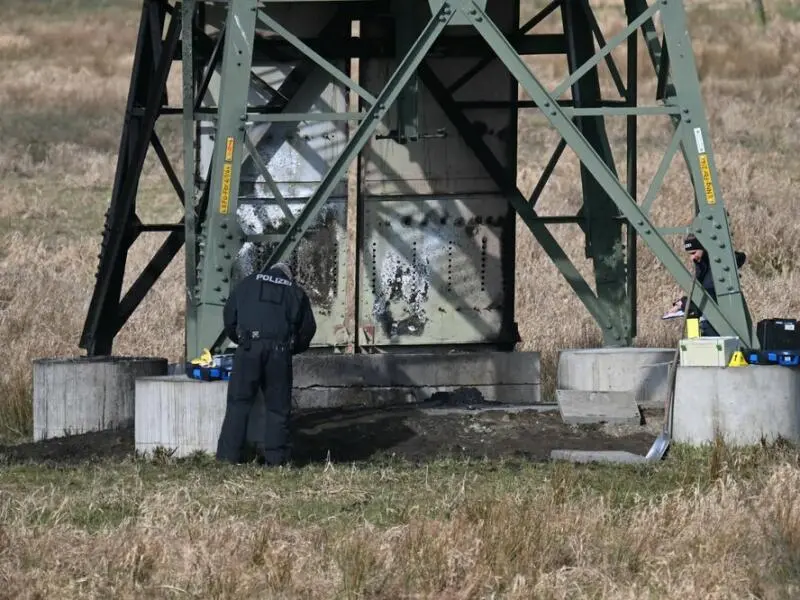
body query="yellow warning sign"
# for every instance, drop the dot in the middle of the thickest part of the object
(229, 150)
(738, 360)
(705, 171)
(225, 193)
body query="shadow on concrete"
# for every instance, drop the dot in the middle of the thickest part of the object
(655, 384)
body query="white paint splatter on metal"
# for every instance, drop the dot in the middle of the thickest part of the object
(404, 280)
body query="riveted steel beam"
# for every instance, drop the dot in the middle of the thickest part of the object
(152, 62)
(603, 232)
(632, 173)
(220, 231)
(519, 203)
(321, 62)
(730, 316)
(711, 222)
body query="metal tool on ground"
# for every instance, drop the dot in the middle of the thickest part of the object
(660, 446)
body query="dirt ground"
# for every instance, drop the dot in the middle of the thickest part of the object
(414, 433)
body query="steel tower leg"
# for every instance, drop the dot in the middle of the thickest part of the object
(603, 226)
(109, 310)
(220, 236)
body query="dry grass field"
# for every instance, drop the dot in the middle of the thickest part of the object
(712, 524)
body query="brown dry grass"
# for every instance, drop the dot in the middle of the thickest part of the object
(727, 527)
(704, 525)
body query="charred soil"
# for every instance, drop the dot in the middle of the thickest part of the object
(414, 433)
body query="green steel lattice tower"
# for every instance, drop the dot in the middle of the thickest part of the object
(270, 133)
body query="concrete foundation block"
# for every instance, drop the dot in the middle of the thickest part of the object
(598, 456)
(178, 414)
(83, 394)
(616, 408)
(643, 371)
(185, 415)
(326, 380)
(739, 404)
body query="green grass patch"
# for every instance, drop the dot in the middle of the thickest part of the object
(104, 494)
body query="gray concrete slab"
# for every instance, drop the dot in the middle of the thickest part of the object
(80, 395)
(643, 371)
(615, 408)
(598, 456)
(178, 414)
(457, 369)
(739, 404)
(484, 409)
(185, 415)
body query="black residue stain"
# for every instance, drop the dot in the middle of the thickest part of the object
(463, 396)
(396, 286)
(316, 263)
(385, 320)
(480, 128)
(470, 227)
(412, 325)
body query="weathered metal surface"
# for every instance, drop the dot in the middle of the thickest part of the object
(319, 261)
(435, 268)
(297, 155)
(431, 270)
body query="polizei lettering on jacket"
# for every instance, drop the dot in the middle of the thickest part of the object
(271, 279)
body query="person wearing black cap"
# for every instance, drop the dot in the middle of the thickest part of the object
(268, 315)
(702, 272)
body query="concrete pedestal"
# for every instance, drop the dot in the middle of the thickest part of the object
(185, 415)
(643, 371)
(82, 394)
(740, 404)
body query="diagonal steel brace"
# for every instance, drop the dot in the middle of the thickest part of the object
(587, 155)
(517, 200)
(365, 129)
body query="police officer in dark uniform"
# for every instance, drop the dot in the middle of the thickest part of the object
(270, 319)
(702, 273)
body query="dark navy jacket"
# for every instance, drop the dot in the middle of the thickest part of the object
(702, 271)
(275, 307)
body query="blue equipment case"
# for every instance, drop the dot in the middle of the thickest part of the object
(786, 358)
(207, 373)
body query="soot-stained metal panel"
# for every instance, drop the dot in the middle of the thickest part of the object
(431, 272)
(441, 165)
(319, 261)
(297, 156)
(438, 269)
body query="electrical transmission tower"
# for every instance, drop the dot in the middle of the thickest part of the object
(270, 133)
